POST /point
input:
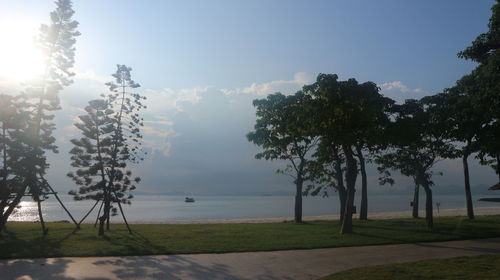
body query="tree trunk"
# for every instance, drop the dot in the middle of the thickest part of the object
(498, 166)
(298, 200)
(428, 206)
(343, 201)
(340, 184)
(468, 195)
(105, 214)
(10, 209)
(107, 219)
(363, 212)
(42, 222)
(351, 175)
(415, 201)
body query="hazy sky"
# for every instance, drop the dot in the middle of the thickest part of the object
(201, 63)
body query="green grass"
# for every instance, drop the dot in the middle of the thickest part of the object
(23, 240)
(480, 267)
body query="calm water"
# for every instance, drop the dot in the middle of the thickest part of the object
(162, 208)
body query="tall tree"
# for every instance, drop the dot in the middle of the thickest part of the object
(486, 79)
(283, 131)
(91, 153)
(111, 141)
(40, 98)
(418, 142)
(348, 111)
(463, 123)
(126, 145)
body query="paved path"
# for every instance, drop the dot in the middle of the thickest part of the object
(296, 264)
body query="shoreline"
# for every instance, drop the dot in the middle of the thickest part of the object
(452, 212)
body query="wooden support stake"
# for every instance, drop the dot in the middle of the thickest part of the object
(44, 230)
(88, 213)
(62, 204)
(123, 214)
(98, 213)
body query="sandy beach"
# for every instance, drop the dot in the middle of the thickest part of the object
(371, 215)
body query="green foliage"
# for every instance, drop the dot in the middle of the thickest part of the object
(91, 153)
(484, 85)
(350, 112)
(283, 131)
(417, 143)
(283, 127)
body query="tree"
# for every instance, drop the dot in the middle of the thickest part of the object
(283, 131)
(111, 140)
(40, 98)
(485, 79)
(417, 143)
(463, 123)
(348, 111)
(91, 153)
(326, 172)
(11, 121)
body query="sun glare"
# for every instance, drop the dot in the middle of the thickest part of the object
(20, 60)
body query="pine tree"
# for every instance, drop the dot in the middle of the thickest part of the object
(111, 141)
(89, 153)
(11, 121)
(40, 98)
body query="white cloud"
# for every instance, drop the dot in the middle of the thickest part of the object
(286, 86)
(90, 75)
(399, 86)
(168, 99)
(162, 132)
(158, 134)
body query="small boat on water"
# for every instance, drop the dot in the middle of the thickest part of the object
(189, 199)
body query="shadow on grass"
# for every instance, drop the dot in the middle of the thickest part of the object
(36, 247)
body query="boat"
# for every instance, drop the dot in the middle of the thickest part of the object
(189, 199)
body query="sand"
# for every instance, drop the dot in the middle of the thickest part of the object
(371, 215)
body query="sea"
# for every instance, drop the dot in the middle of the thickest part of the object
(171, 208)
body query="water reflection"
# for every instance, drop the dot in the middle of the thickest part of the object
(27, 211)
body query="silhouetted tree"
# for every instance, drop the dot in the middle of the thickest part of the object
(126, 144)
(40, 97)
(326, 172)
(418, 142)
(485, 79)
(11, 172)
(348, 111)
(283, 131)
(462, 122)
(91, 153)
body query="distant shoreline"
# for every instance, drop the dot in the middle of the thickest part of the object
(495, 210)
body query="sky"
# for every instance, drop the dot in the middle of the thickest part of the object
(201, 63)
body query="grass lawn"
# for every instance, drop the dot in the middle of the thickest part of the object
(23, 240)
(479, 267)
